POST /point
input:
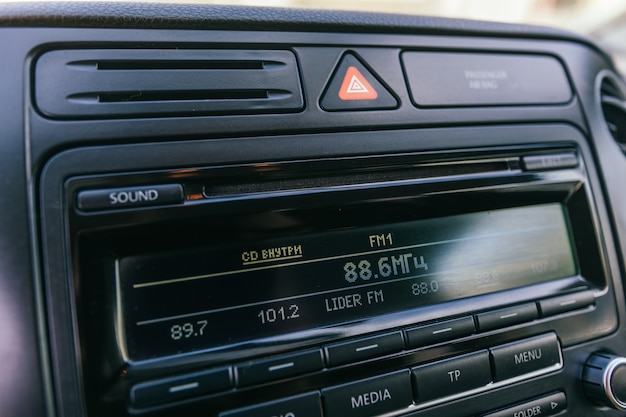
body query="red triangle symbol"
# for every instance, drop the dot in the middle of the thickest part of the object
(356, 87)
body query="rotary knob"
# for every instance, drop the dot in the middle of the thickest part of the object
(604, 377)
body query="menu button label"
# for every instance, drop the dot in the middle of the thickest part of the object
(528, 356)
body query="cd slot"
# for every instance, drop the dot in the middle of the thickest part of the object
(277, 179)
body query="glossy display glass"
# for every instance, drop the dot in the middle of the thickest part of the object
(179, 302)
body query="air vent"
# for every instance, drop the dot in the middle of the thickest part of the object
(614, 110)
(136, 83)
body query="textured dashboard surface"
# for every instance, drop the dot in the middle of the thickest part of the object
(190, 16)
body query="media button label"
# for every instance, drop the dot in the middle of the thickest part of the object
(369, 397)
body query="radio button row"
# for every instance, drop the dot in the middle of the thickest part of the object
(524, 357)
(565, 303)
(543, 407)
(451, 376)
(369, 397)
(306, 405)
(163, 391)
(355, 350)
(440, 332)
(264, 370)
(506, 317)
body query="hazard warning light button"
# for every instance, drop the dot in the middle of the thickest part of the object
(354, 87)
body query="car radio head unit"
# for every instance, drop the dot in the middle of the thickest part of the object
(231, 267)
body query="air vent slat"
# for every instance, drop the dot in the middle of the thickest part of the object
(164, 96)
(180, 65)
(112, 83)
(79, 82)
(613, 102)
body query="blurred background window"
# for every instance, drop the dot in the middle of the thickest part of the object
(602, 20)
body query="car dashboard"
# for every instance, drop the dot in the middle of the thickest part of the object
(239, 211)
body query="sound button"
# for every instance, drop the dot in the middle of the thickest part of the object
(130, 197)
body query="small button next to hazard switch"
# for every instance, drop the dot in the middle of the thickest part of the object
(354, 87)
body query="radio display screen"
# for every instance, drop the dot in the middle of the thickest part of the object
(173, 303)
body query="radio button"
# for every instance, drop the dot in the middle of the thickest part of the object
(451, 376)
(506, 317)
(355, 350)
(130, 197)
(263, 370)
(440, 332)
(306, 405)
(527, 356)
(555, 161)
(369, 397)
(163, 391)
(542, 407)
(566, 303)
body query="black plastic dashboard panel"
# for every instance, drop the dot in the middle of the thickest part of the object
(61, 339)
(476, 79)
(125, 83)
